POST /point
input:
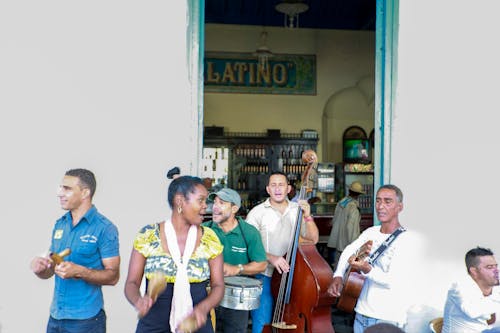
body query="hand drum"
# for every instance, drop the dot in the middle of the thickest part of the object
(156, 285)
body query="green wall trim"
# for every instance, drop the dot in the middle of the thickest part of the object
(195, 42)
(386, 37)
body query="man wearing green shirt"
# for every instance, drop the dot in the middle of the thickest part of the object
(243, 253)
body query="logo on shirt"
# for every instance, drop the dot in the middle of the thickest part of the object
(238, 249)
(88, 239)
(58, 234)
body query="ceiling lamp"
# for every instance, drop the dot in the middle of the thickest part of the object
(291, 9)
(263, 52)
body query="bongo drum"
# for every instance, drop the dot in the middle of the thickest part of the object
(241, 293)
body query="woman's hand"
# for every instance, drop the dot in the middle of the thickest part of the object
(194, 321)
(143, 305)
(200, 317)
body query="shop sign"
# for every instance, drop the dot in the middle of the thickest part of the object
(229, 72)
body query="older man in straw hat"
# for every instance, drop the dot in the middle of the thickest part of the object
(345, 223)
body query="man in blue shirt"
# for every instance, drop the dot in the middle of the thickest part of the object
(93, 260)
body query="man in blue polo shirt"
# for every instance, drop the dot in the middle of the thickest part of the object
(243, 252)
(93, 260)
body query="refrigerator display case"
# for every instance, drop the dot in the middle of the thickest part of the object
(325, 189)
(326, 177)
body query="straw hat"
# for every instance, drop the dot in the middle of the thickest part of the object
(356, 187)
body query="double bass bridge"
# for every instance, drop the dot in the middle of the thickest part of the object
(284, 326)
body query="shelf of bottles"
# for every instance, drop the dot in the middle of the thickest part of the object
(263, 159)
(253, 156)
(252, 163)
(288, 159)
(249, 168)
(366, 200)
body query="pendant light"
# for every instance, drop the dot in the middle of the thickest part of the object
(291, 9)
(263, 52)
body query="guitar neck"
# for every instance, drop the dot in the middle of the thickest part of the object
(362, 252)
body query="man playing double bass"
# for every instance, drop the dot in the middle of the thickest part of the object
(275, 219)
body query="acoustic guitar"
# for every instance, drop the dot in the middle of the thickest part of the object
(353, 282)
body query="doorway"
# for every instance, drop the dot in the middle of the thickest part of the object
(385, 79)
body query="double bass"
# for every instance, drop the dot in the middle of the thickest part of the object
(302, 301)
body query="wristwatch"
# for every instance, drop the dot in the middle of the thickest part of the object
(240, 266)
(309, 218)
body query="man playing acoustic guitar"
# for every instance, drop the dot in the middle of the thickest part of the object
(381, 258)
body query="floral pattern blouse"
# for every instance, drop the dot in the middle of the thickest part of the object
(148, 243)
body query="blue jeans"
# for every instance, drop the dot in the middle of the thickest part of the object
(362, 322)
(331, 255)
(264, 313)
(96, 324)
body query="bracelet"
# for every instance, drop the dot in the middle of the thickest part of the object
(240, 266)
(309, 218)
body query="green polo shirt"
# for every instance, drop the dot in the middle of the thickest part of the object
(236, 250)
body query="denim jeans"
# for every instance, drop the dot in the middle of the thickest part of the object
(331, 255)
(264, 313)
(230, 320)
(362, 322)
(96, 324)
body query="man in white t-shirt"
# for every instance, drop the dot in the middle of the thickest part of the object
(473, 305)
(387, 291)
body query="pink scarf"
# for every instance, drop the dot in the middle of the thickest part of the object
(182, 304)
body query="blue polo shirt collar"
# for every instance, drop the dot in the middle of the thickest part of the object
(88, 217)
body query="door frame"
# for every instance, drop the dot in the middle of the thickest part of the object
(386, 39)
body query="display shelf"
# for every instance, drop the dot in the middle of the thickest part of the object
(253, 156)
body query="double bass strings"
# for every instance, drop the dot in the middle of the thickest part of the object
(287, 277)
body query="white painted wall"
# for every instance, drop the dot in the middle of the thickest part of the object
(445, 137)
(94, 84)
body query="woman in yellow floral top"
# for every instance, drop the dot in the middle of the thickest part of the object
(187, 254)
